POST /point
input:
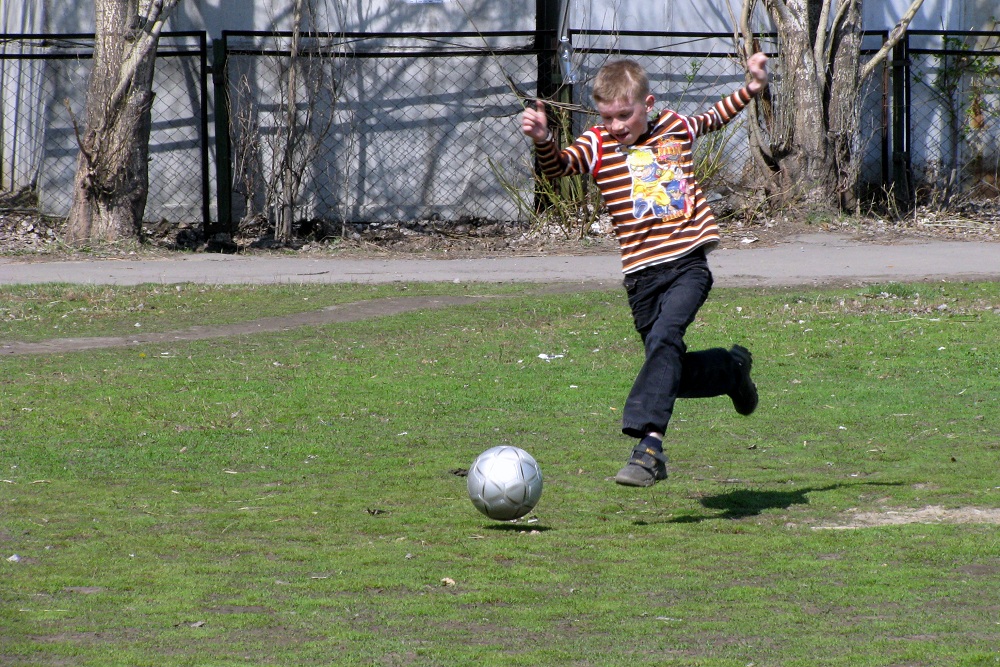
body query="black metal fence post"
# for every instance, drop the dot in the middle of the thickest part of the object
(546, 25)
(223, 147)
(901, 121)
(206, 184)
(886, 142)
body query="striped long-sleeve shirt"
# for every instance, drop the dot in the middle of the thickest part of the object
(658, 210)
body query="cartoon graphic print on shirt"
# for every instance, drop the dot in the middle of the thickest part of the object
(659, 185)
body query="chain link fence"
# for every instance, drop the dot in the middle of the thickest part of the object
(955, 115)
(43, 87)
(369, 128)
(377, 128)
(409, 128)
(690, 72)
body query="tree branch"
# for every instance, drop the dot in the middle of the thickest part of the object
(779, 12)
(155, 10)
(758, 140)
(823, 32)
(837, 20)
(746, 11)
(894, 37)
(156, 16)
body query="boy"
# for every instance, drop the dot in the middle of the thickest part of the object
(664, 227)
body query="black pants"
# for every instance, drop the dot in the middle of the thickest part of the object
(664, 301)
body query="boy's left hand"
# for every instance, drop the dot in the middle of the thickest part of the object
(757, 66)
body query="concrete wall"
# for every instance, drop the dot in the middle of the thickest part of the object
(398, 16)
(28, 142)
(38, 147)
(214, 16)
(701, 16)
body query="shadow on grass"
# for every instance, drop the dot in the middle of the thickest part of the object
(517, 528)
(744, 503)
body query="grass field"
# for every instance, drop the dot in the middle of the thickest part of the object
(293, 498)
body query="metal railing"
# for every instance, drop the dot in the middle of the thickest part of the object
(377, 127)
(43, 86)
(369, 128)
(954, 114)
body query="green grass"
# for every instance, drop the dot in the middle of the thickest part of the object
(290, 498)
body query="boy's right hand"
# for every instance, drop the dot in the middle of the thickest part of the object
(757, 66)
(534, 123)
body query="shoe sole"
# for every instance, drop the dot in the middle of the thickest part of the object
(635, 483)
(625, 479)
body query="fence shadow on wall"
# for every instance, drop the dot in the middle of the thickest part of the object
(371, 128)
(43, 87)
(402, 131)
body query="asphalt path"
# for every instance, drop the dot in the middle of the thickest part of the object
(814, 259)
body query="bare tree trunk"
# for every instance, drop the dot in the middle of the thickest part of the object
(111, 183)
(808, 139)
(844, 101)
(801, 149)
(289, 189)
(308, 91)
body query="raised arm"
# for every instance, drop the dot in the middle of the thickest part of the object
(725, 110)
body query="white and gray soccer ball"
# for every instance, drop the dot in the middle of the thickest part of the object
(505, 483)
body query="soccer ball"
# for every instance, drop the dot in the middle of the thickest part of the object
(505, 483)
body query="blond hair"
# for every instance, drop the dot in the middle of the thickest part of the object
(621, 80)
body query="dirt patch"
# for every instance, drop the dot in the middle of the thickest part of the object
(240, 609)
(84, 590)
(932, 514)
(348, 312)
(351, 312)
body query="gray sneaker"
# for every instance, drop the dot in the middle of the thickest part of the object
(645, 467)
(745, 395)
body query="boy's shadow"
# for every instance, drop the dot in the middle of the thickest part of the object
(743, 503)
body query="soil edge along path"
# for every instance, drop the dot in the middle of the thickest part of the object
(805, 260)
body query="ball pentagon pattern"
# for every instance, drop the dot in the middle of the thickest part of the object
(505, 483)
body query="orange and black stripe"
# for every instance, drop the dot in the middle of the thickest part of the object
(647, 238)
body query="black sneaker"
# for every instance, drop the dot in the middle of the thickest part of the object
(645, 467)
(745, 395)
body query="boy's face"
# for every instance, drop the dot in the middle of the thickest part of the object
(626, 119)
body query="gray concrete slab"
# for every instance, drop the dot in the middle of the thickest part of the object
(815, 259)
